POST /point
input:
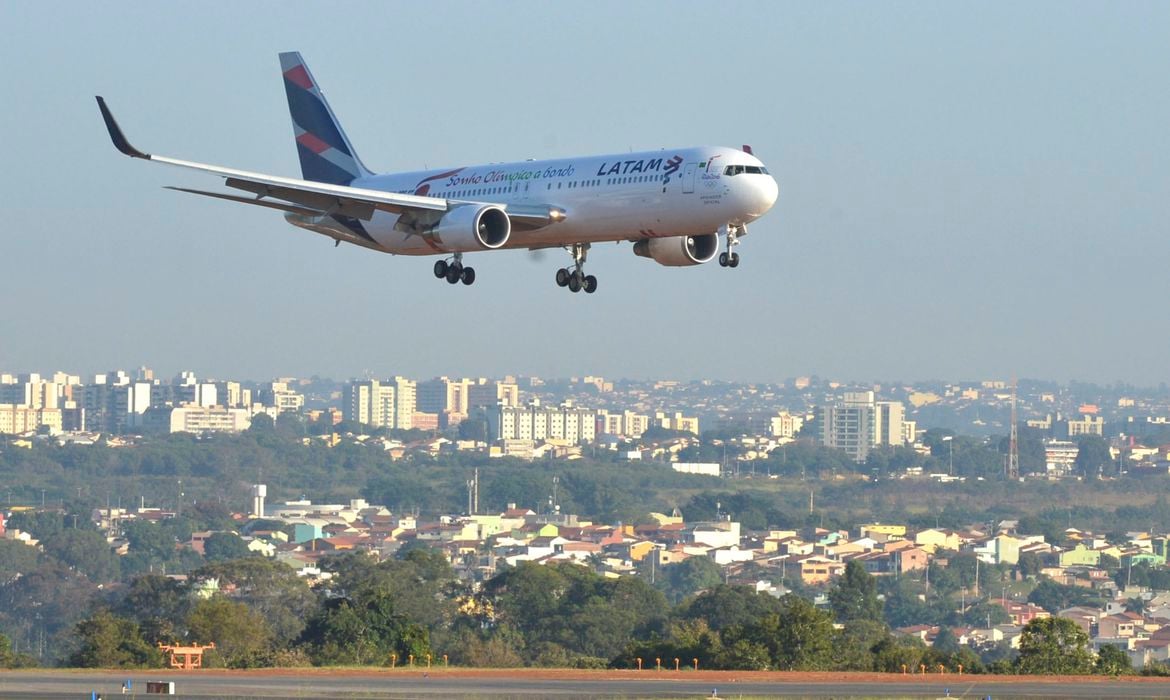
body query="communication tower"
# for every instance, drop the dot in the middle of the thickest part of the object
(1012, 471)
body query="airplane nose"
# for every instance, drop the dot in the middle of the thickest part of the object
(760, 194)
(769, 191)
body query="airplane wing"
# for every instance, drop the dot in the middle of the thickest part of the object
(319, 198)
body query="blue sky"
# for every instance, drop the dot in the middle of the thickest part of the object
(967, 190)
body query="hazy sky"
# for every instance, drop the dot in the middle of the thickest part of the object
(966, 190)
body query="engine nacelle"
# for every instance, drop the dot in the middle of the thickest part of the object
(469, 228)
(677, 251)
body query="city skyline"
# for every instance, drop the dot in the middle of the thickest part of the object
(964, 191)
(166, 374)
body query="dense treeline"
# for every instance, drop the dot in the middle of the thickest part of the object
(412, 609)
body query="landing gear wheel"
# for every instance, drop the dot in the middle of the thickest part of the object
(562, 277)
(453, 274)
(733, 260)
(468, 275)
(440, 269)
(589, 284)
(575, 282)
(723, 260)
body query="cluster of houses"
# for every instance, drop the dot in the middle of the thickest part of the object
(300, 533)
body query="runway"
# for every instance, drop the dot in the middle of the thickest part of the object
(534, 683)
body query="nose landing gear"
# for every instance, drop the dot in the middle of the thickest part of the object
(454, 272)
(730, 258)
(576, 279)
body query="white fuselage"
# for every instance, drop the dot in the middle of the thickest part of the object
(621, 197)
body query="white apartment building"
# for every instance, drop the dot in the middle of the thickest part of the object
(21, 419)
(1087, 425)
(388, 404)
(676, 421)
(626, 424)
(786, 425)
(197, 419)
(537, 422)
(280, 396)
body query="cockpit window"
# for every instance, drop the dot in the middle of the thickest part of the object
(741, 169)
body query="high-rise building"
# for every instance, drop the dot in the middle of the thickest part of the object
(230, 394)
(888, 418)
(859, 423)
(113, 406)
(388, 404)
(278, 395)
(485, 393)
(369, 402)
(405, 402)
(444, 395)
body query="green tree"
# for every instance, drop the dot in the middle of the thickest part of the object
(898, 654)
(242, 637)
(688, 577)
(945, 642)
(16, 559)
(363, 632)
(107, 641)
(1054, 597)
(582, 612)
(1093, 456)
(272, 590)
(1112, 661)
(85, 551)
(40, 524)
(1030, 564)
(725, 606)
(984, 613)
(854, 646)
(797, 638)
(1054, 646)
(150, 540)
(11, 659)
(854, 597)
(157, 604)
(225, 546)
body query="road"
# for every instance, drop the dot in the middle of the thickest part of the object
(528, 683)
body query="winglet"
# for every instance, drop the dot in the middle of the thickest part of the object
(116, 134)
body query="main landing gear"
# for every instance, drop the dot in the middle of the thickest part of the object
(454, 271)
(730, 258)
(576, 279)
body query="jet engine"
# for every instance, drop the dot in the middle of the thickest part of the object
(469, 228)
(677, 251)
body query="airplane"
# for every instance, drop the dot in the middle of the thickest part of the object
(672, 204)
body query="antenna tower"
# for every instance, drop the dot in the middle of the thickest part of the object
(1012, 472)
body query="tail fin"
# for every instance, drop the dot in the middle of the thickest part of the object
(326, 154)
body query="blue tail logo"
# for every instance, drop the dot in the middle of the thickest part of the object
(326, 154)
